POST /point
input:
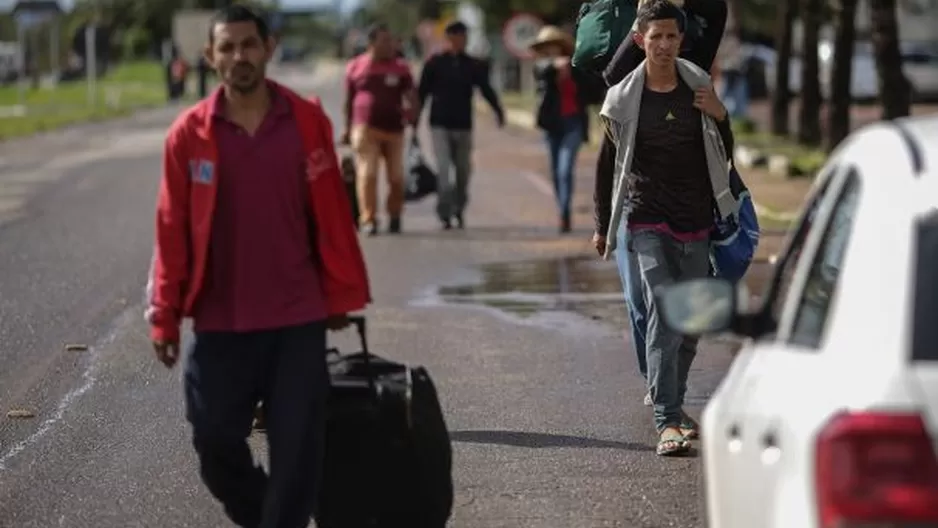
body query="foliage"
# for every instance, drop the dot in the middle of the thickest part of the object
(155, 17)
(136, 43)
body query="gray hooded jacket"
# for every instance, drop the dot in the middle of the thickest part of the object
(620, 115)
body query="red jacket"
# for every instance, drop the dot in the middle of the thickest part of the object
(186, 204)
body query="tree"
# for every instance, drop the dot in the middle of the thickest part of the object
(781, 96)
(841, 97)
(894, 89)
(809, 122)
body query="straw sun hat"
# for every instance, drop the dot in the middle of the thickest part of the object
(553, 35)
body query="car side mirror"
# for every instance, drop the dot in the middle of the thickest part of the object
(699, 306)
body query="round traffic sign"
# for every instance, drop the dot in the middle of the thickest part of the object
(519, 32)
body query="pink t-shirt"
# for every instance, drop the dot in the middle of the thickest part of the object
(377, 91)
(262, 270)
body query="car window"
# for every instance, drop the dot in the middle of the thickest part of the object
(924, 329)
(788, 262)
(821, 284)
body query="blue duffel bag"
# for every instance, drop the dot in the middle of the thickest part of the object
(733, 240)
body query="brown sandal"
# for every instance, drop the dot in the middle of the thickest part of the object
(671, 442)
(689, 427)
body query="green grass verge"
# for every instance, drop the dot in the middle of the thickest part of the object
(127, 87)
(805, 161)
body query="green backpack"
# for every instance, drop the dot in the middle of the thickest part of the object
(600, 27)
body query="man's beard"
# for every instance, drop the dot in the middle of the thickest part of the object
(246, 88)
(249, 70)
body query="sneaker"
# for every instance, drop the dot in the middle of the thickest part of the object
(394, 226)
(446, 224)
(459, 222)
(370, 228)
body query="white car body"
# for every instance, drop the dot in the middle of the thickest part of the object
(842, 344)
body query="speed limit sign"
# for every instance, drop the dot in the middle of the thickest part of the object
(519, 32)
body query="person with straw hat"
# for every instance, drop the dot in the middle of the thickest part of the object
(560, 112)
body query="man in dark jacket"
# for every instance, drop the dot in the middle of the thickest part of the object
(449, 78)
(700, 49)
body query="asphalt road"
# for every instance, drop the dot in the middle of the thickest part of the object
(544, 407)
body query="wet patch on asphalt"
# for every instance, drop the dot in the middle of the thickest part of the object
(574, 294)
(575, 291)
(575, 285)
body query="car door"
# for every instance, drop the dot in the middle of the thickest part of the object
(742, 434)
(793, 395)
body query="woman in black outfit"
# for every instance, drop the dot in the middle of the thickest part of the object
(561, 112)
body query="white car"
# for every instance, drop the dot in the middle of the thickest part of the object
(919, 62)
(828, 417)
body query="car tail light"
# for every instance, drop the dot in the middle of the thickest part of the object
(876, 469)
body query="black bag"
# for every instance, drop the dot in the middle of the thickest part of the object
(388, 460)
(348, 177)
(421, 180)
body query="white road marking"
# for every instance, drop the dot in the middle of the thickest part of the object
(539, 183)
(88, 380)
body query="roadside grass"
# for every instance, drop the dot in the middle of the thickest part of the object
(128, 87)
(805, 161)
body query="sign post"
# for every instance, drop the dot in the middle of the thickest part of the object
(91, 64)
(519, 33)
(21, 65)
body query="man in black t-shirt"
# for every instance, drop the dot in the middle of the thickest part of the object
(669, 173)
(711, 16)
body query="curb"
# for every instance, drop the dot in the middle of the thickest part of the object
(525, 119)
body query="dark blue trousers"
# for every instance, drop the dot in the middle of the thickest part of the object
(226, 375)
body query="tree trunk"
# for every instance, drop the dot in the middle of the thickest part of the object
(809, 119)
(841, 97)
(894, 89)
(781, 97)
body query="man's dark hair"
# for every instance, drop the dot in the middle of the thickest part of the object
(375, 30)
(238, 13)
(660, 10)
(456, 28)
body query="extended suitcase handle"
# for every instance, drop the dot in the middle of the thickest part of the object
(359, 322)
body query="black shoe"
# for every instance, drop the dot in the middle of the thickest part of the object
(565, 226)
(446, 224)
(394, 226)
(459, 222)
(370, 228)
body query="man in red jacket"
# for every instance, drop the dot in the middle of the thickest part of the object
(254, 244)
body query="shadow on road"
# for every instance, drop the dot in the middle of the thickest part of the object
(539, 440)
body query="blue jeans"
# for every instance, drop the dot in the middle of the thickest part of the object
(663, 260)
(631, 277)
(736, 94)
(564, 145)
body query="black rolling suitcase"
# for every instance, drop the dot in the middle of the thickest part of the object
(388, 460)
